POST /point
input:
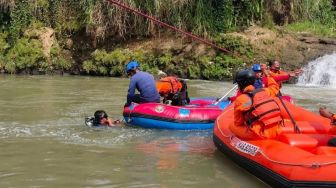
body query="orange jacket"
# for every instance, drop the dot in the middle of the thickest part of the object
(242, 104)
(279, 73)
(168, 85)
(333, 119)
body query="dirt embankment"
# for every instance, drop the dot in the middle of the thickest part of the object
(292, 49)
(47, 37)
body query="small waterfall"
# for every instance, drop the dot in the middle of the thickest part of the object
(320, 72)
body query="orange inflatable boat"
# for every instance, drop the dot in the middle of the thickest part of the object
(293, 159)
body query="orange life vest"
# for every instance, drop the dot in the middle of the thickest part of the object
(263, 109)
(168, 85)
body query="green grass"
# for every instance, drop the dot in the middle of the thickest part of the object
(314, 28)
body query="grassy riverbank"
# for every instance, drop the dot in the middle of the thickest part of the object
(92, 37)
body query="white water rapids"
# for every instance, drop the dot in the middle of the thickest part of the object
(320, 72)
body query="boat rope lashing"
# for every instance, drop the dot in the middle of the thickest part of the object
(155, 20)
(296, 127)
(309, 165)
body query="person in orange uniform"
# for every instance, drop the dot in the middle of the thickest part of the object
(173, 90)
(275, 71)
(275, 68)
(327, 114)
(262, 81)
(256, 113)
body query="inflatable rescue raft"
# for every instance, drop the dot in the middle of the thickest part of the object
(201, 114)
(293, 159)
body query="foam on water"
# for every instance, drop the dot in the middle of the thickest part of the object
(320, 72)
(74, 133)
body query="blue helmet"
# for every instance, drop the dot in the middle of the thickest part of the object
(256, 67)
(131, 66)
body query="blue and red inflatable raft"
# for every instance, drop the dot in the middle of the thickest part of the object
(200, 114)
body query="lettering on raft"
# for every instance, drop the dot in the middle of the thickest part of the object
(244, 146)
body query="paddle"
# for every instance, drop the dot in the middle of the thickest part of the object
(296, 127)
(219, 100)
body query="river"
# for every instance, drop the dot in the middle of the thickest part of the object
(44, 142)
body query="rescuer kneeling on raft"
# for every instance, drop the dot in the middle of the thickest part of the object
(256, 112)
(173, 90)
(143, 82)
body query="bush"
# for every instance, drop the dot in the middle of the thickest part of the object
(193, 71)
(235, 44)
(27, 55)
(58, 60)
(3, 47)
(104, 63)
(89, 67)
(63, 64)
(215, 72)
(3, 43)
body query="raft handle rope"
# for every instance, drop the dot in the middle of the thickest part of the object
(310, 165)
(296, 127)
(129, 114)
(167, 25)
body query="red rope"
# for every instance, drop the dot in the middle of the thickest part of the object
(169, 26)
